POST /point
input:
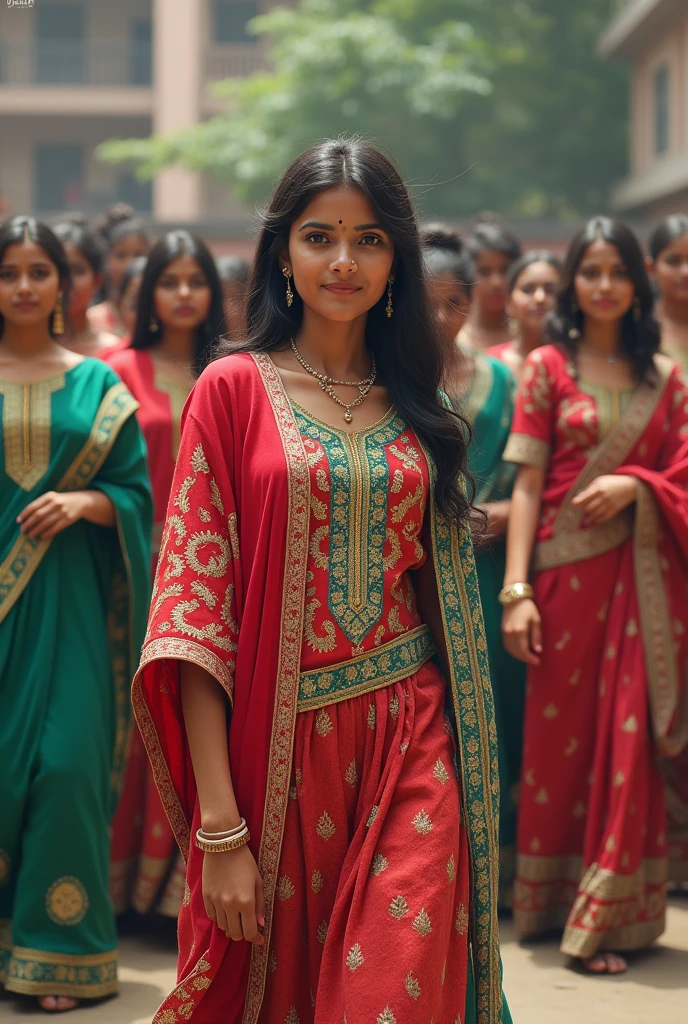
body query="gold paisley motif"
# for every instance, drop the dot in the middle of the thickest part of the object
(216, 566)
(322, 644)
(66, 901)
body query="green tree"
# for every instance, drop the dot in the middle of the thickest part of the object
(496, 103)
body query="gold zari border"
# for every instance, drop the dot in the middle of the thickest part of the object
(656, 628)
(25, 555)
(565, 548)
(287, 688)
(32, 959)
(416, 646)
(527, 451)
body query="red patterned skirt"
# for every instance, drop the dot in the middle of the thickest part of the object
(372, 909)
(592, 847)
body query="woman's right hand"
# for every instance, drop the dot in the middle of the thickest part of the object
(522, 631)
(233, 894)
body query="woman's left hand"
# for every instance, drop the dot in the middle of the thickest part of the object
(605, 498)
(52, 513)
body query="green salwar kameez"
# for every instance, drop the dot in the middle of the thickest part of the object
(488, 405)
(72, 619)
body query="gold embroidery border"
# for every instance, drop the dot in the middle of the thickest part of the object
(482, 818)
(655, 624)
(420, 637)
(14, 424)
(527, 451)
(581, 943)
(478, 391)
(615, 448)
(25, 555)
(566, 548)
(286, 693)
(74, 990)
(178, 650)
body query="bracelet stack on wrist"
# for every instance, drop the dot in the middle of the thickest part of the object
(223, 842)
(514, 592)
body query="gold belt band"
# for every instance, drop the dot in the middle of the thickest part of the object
(370, 671)
(564, 548)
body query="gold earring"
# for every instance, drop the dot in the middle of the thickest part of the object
(389, 309)
(58, 316)
(154, 326)
(290, 295)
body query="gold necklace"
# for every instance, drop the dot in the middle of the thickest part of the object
(327, 383)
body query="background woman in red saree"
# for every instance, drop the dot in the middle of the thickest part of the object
(315, 553)
(599, 513)
(179, 315)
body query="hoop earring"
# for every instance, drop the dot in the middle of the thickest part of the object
(58, 316)
(154, 325)
(389, 308)
(290, 295)
(637, 311)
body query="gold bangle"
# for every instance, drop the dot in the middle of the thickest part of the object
(514, 592)
(226, 846)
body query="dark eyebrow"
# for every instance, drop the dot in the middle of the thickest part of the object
(317, 224)
(368, 227)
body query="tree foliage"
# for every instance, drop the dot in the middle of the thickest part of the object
(498, 103)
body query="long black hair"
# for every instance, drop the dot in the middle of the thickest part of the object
(407, 346)
(15, 231)
(170, 247)
(527, 260)
(640, 337)
(87, 242)
(444, 252)
(666, 232)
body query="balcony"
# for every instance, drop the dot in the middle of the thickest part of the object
(231, 61)
(97, 76)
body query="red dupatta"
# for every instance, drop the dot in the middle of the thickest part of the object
(271, 504)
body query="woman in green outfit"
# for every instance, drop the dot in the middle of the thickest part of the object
(75, 524)
(482, 389)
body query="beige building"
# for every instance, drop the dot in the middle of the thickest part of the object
(652, 37)
(74, 73)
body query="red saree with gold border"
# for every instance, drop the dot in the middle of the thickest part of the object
(607, 702)
(236, 542)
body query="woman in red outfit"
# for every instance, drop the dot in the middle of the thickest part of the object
(532, 286)
(316, 554)
(599, 514)
(179, 316)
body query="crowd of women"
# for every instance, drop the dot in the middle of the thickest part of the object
(415, 505)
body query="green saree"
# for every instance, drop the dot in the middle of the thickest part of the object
(72, 620)
(488, 406)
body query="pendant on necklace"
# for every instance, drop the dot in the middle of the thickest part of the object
(611, 360)
(347, 416)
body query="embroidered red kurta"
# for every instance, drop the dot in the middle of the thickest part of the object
(608, 694)
(341, 757)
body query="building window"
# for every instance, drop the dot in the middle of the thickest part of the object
(60, 43)
(231, 18)
(141, 53)
(662, 109)
(58, 177)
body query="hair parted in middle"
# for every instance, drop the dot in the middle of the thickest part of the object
(407, 347)
(169, 248)
(640, 336)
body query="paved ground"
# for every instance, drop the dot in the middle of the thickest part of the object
(540, 988)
